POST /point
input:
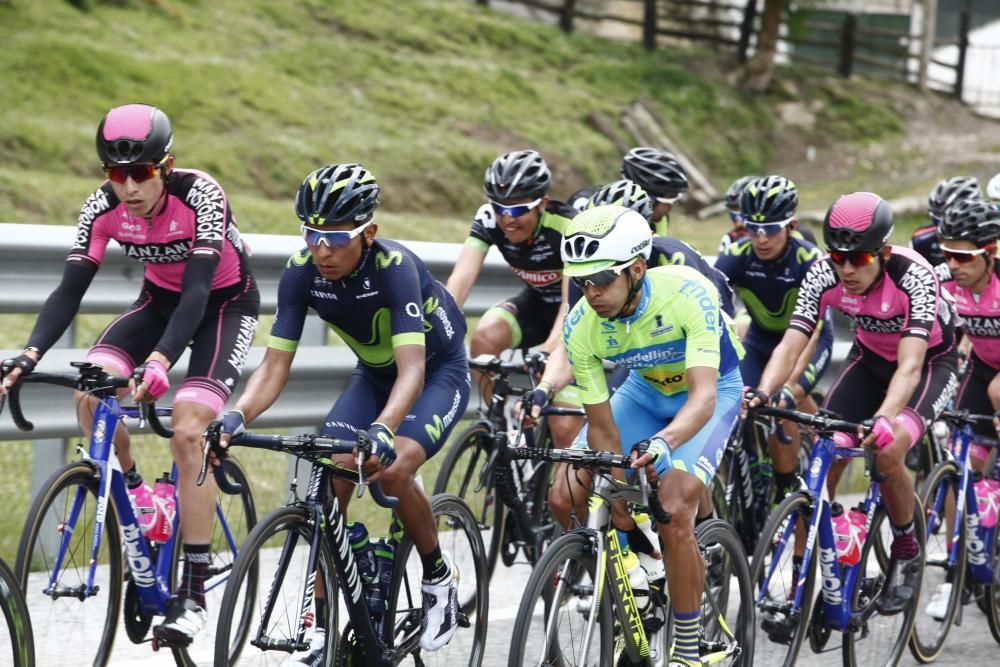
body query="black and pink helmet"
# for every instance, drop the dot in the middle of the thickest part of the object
(858, 221)
(134, 133)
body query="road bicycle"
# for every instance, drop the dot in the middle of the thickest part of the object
(789, 563)
(307, 541)
(81, 541)
(17, 647)
(963, 555)
(469, 468)
(579, 607)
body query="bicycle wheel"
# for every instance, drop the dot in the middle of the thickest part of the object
(16, 643)
(94, 618)
(235, 516)
(727, 610)
(554, 617)
(941, 589)
(879, 640)
(460, 475)
(781, 626)
(459, 538)
(286, 532)
(991, 592)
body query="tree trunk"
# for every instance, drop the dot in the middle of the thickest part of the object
(760, 69)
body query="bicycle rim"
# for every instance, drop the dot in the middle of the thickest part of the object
(727, 616)
(16, 644)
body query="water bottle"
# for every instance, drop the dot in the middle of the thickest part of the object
(140, 498)
(939, 431)
(653, 566)
(859, 523)
(986, 498)
(638, 579)
(365, 557)
(166, 508)
(385, 555)
(845, 535)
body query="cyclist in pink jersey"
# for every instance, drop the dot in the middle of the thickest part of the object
(901, 371)
(969, 234)
(197, 292)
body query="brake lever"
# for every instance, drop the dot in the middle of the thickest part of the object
(364, 451)
(212, 434)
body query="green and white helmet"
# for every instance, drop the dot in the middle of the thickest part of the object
(603, 237)
(624, 193)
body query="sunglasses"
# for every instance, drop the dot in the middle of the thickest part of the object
(331, 239)
(515, 210)
(601, 278)
(767, 228)
(965, 256)
(857, 258)
(667, 200)
(137, 172)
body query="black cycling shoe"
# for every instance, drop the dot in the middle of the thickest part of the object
(900, 586)
(184, 619)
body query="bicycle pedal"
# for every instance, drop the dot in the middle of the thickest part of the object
(463, 621)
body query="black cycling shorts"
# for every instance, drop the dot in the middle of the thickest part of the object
(529, 316)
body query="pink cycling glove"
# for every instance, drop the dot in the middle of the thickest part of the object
(155, 377)
(882, 430)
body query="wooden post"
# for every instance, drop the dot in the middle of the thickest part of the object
(566, 17)
(649, 25)
(963, 48)
(848, 38)
(746, 30)
(927, 46)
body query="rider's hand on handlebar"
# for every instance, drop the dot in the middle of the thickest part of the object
(12, 369)
(538, 398)
(232, 423)
(383, 452)
(880, 433)
(154, 381)
(647, 453)
(754, 398)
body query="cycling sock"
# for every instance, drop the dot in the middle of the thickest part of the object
(196, 560)
(435, 569)
(904, 541)
(132, 478)
(784, 482)
(686, 635)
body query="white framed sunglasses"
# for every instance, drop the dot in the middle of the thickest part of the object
(668, 200)
(514, 210)
(332, 239)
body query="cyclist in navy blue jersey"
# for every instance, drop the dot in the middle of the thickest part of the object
(766, 269)
(411, 384)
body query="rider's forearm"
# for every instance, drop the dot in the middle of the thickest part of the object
(555, 334)
(405, 392)
(690, 419)
(62, 305)
(558, 373)
(262, 390)
(782, 361)
(804, 358)
(904, 382)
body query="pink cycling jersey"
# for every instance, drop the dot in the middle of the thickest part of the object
(979, 317)
(905, 301)
(194, 219)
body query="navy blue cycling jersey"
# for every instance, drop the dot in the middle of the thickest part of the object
(670, 251)
(926, 242)
(768, 288)
(389, 301)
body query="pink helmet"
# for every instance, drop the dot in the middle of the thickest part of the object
(134, 133)
(858, 221)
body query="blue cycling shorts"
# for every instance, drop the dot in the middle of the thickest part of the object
(641, 411)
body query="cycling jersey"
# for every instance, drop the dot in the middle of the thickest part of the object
(905, 300)
(926, 242)
(676, 325)
(538, 261)
(390, 300)
(670, 251)
(979, 317)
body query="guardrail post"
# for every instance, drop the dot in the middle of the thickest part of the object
(746, 30)
(963, 49)
(649, 25)
(313, 333)
(848, 38)
(566, 16)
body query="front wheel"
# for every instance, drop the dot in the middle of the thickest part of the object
(727, 610)
(16, 644)
(991, 592)
(563, 608)
(53, 569)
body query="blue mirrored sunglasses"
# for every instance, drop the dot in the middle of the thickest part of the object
(767, 228)
(332, 239)
(514, 210)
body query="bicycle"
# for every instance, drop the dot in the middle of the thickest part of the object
(17, 647)
(469, 468)
(308, 539)
(71, 549)
(962, 554)
(566, 598)
(784, 588)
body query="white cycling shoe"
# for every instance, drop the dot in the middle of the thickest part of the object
(440, 610)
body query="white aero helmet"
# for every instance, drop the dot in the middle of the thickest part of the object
(993, 188)
(602, 237)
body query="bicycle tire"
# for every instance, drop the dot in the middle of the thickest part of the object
(545, 582)
(866, 591)
(45, 514)
(460, 476)
(929, 634)
(990, 601)
(734, 564)
(460, 539)
(238, 527)
(17, 620)
(769, 625)
(295, 520)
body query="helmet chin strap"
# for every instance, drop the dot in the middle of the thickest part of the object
(633, 289)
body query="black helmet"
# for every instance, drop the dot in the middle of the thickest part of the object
(949, 191)
(624, 193)
(769, 199)
(735, 190)
(134, 133)
(336, 194)
(858, 221)
(517, 175)
(657, 172)
(971, 220)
